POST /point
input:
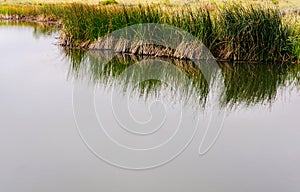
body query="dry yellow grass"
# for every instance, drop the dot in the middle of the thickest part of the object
(290, 3)
(283, 3)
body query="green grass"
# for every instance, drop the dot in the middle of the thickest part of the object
(253, 34)
(56, 11)
(233, 32)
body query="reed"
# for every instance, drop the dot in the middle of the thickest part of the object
(84, 23)
(233, 32)
(295, 38)
(250, 33)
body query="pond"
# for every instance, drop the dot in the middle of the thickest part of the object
(100, 121)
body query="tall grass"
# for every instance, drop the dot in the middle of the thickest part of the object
(84, 23)
(233, 32)
(253, 34)
(295, 38)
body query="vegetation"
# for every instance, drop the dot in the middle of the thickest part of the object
(233, 32)
(253, 34)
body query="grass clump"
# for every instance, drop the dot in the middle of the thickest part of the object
(252, 33)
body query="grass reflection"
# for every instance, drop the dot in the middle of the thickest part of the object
(246, 84)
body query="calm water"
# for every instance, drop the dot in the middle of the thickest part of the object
(93, 121)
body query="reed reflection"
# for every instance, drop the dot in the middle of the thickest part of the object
(246, 84)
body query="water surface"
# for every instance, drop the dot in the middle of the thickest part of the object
(56, 107)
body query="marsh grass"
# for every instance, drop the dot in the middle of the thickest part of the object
(295, 38)
(234, 32)
(84, 23)
(253, 34)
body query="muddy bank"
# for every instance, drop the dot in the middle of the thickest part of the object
(182, 50)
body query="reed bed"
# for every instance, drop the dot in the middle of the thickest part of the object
(234, 32)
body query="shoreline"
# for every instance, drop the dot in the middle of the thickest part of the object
(78, 30)
(23, 18)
